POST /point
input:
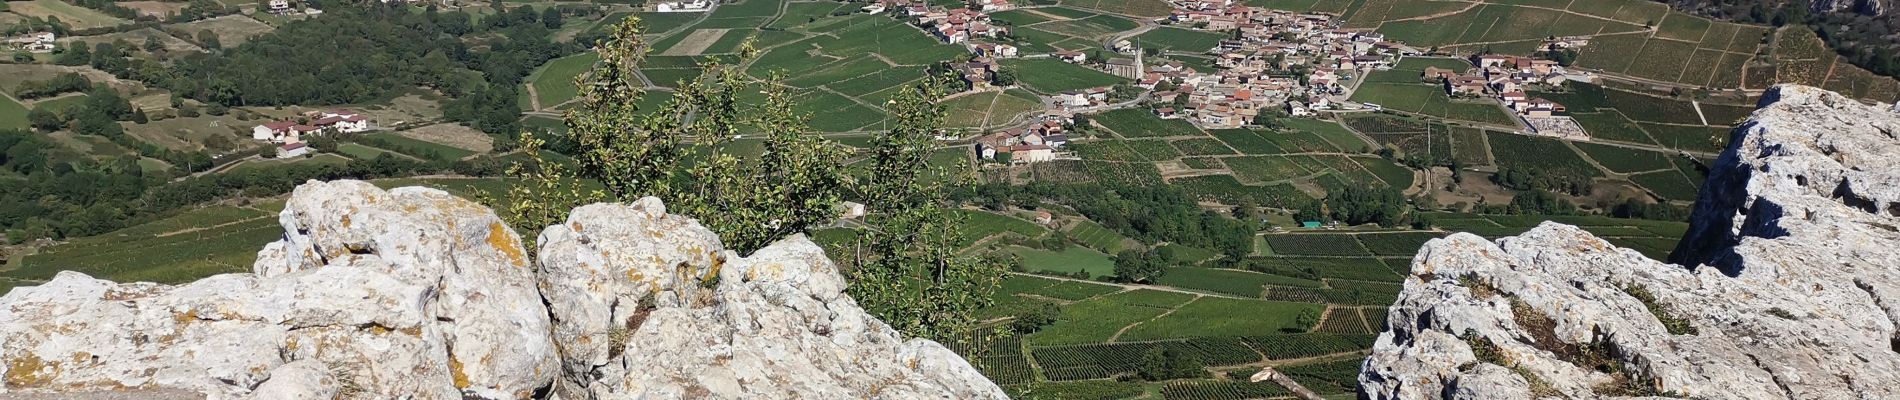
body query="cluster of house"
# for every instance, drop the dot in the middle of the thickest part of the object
(978, 72)
(282, 7)
(1506, 77)
(289, 134)
(1256, 67)
(1090, 97)
(33, 42)
(1036, 143)
(951, 26)
(683, 6)
(918, 8)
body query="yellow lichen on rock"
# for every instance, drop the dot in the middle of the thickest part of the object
(499, 239)
(25, 371)
(455, 371)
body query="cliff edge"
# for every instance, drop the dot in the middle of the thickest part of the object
(413, 293)
(1792, 288)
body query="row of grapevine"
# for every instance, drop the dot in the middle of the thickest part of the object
(1221, 390)
(1330, 377)
(1076, 373)
(1375, 317)
(1281, 347)
(1005, 370)
(1331, 296)
(1120, 358)
(1342, 321)
(987, 343)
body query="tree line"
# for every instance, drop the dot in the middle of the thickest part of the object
(52, 195)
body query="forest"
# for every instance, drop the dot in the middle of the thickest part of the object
(362, 54)
(71, 199)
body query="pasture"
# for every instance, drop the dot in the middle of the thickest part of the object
(232, 30)
(73, 15)
(1066, 261)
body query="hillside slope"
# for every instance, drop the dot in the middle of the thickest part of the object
(1796, 295)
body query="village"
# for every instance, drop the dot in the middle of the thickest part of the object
(1278, 63)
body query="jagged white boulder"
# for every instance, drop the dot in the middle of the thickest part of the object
(413, 293)
(1795, 293)
(370, 293)
(650, 305)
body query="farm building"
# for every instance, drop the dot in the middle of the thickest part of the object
(289, 150)
(684, 6)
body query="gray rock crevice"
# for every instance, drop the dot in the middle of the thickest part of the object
(413, 293)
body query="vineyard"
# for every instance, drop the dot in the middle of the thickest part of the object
(1331, 377)
(1345, 321)
(1097, 361)
(1221, 390)
(179, 249)
(1304, 345)
(998, 356)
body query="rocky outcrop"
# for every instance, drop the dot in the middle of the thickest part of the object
(650, 306)
(413, 293)
(1794, 290)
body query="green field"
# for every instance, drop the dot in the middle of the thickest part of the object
(1177, 39)
(1070, 260)
(12, 114)
(1097, 320)
(1626, 160)
(1429, 100)
(1228, 281)
(1093, 235)
(184, 247)
(73, 15)
(1137, 122)
(1215, 316)
(418, 147)
(59, 104)
(1048, 75)
(978, 225)
(1542, 154)
(361, 152)
(554, 83)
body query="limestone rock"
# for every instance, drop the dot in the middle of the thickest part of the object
(409, 292)
(669, 313)
(413, 293)
(1794, 292)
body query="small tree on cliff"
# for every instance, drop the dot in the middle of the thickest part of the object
(905, 270)
(680, 153)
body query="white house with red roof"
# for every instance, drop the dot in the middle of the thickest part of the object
(342, 121)
(997, 50)
(281, 131)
